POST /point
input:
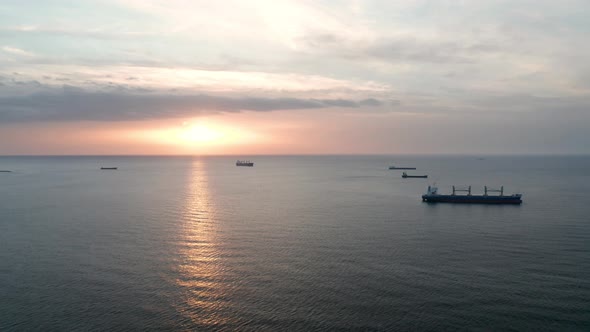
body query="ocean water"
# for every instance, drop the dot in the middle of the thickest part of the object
(330, 243)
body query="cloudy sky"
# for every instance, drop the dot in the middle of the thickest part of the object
(294, 77)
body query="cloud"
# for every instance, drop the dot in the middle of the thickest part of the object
(395, 49)
(532, 103)
(28, 31)
(187, 81)
(370, 102)
(17, 51)
(75, 104)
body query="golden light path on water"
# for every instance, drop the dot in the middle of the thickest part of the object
(200, 270)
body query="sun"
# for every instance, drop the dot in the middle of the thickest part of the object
(200, 134)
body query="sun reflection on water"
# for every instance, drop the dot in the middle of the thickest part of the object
(200, 272)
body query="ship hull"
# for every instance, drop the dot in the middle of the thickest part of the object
(415, 176)
(472, 199)
(392, 167)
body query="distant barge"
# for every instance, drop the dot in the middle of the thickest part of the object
(405, 175)
(5, 171)
(432, 196)
(394, 167)
(246, 163)
(109, 168)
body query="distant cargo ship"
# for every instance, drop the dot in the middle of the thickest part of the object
(432, 196)
(394, 167)
(109, 168)
(247, 163)
(405, 175)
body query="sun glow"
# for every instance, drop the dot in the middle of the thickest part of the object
(198, 136)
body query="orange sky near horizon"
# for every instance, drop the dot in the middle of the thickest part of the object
(300, 132)
(247, 133)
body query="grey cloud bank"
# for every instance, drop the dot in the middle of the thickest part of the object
(76, 104)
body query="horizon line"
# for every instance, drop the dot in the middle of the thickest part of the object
(299, 154)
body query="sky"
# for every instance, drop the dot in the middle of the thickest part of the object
(294, 77)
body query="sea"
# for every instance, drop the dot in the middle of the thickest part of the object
(295, 243)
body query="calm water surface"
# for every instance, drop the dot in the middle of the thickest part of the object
(294, 243)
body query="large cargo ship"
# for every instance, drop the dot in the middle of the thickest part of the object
(432, 196)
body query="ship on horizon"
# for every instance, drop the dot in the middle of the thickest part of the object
(247, 163)
(406, 175)
(395, 167)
